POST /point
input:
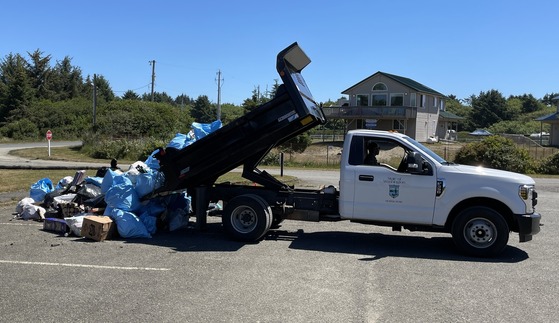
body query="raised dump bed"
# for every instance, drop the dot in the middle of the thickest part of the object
(249, 138)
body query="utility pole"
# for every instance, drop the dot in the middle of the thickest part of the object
(152, 77)
(94, 100)
(219, 79)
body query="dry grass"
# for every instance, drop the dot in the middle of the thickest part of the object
(59, 153)
(16, 180)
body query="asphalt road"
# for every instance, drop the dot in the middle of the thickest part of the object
(303, 272)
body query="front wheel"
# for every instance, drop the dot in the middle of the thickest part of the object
(247, 217)
(480, 231)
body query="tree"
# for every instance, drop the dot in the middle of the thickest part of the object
(548, 98)
(230, 112)
(104, 90)
(455, 106)
(16, 90)
(530, 104)
(297, 144)
(40, 75)
(161, 97)
(255, 100)
(513, 109)
(183, 100)
(130, 95)
(67, 80)
(488, 108)
(275, 88)
(203, 111)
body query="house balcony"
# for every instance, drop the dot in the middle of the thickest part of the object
(370, 112)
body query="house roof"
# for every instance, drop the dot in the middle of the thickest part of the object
(449, 115)
(402, 80)
(549, 117)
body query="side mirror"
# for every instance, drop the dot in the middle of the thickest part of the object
(414, 161)
(418, 165)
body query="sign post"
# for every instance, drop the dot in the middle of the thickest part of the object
(49, 137)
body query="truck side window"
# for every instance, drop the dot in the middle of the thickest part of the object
(364, 151)
(372, 149)
(356, 151)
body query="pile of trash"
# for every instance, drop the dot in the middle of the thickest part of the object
(115, 197)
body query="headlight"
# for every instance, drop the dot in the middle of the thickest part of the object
(528, 194)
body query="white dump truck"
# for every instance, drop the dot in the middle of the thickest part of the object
(386, 178)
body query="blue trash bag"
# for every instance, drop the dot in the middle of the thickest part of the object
(150, 222)
(203, 129)
(128, 224)
(153, 207)
(178, 141)
(178, 210)
(148, 182)
(39, 189)
(152, 162)
(97, 181)
(123, 196)
(113, 178)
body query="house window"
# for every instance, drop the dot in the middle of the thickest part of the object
(396, 99)
(399, 125)
(412, 100)
(422, 101)
(362, 100)
(435, 99)
(380, 87)
(379, 99)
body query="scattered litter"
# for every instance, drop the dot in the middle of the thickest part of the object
(110, 204)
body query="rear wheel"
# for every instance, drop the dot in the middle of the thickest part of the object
(247, 217)
(480, 231)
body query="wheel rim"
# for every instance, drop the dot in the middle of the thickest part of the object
(244, 219)
(480, 232)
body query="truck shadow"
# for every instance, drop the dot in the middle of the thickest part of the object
(374, 246)
(370, 246)
(211, 238)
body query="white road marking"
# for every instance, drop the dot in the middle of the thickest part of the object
(80, 265)
(25, 224)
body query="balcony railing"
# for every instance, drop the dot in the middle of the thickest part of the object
(360, 112)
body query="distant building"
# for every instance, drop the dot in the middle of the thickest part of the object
(553, 120)
(390, 102)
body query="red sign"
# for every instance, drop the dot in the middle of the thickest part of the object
(49, 135)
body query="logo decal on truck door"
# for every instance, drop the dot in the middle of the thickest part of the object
(393, 191)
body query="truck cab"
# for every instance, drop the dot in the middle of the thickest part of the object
(410, 186)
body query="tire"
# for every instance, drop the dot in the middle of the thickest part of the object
(247, 218)
(480, 231)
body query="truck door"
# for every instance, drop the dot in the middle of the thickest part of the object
(388, 191)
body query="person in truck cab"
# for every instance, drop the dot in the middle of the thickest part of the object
(372, 152)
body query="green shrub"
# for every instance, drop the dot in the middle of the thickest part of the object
(272, 158)
(128, 149)
(496, 152)
(20, 130)
(550, 165)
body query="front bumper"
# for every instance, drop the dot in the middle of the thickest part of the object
(528, 225)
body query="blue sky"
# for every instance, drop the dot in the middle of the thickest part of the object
(454, 47)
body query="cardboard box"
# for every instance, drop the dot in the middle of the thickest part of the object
(56, 225)
(98, 228)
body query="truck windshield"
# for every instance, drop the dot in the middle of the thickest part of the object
(426, 150)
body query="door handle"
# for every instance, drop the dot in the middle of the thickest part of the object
(366, 178)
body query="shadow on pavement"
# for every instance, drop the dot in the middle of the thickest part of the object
(371, 246)
(375, 246)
